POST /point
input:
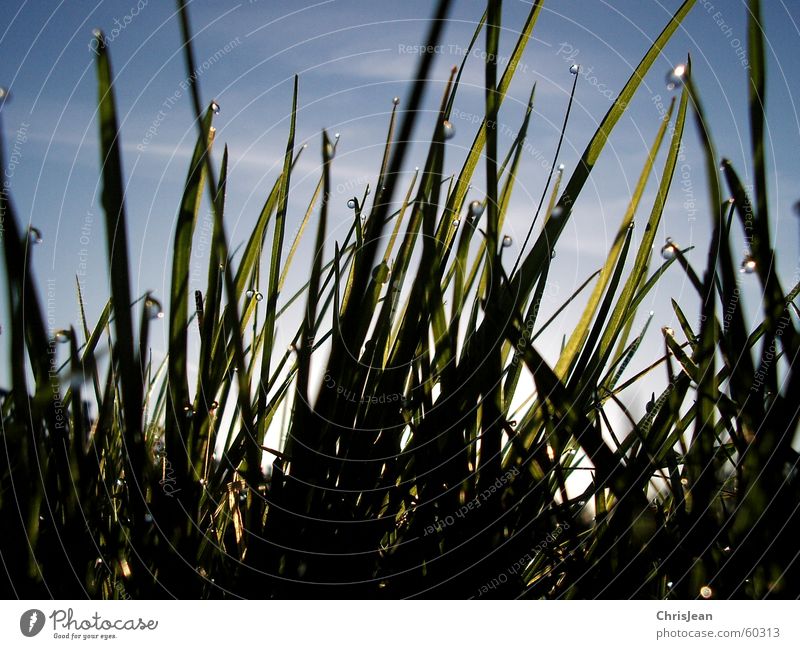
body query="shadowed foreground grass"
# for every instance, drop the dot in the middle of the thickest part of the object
(408, 474)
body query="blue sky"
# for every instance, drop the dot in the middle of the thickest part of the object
(353, 56)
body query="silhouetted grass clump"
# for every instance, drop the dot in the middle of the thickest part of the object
(405, 472)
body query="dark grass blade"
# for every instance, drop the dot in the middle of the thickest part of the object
(112, 199)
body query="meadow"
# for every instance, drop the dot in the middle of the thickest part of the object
(404, 471)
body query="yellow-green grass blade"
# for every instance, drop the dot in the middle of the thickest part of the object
(275, 264)
(178, 425)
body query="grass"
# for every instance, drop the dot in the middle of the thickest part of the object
(409, 474)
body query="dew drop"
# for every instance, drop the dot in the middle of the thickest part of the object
(748, 265)
(669, 584)
(214, 107)
(668, 331)
(669, 250)
(352, 203)
(507, 241)
(213, 406)
(676, 76)
(381, 273)
(456, 223)
(475, 209)
(259, 296)
(188, 411)
(249, 293)
(706, 592)
(731, 200)
(574, 68)
(152, 308)
(396, 100)
(34, 235)
(553, 253)
(61, 336)
(291, 348)
(148, 518)
(557, 213)
(3, 93)
(448, 129)
(561, 167)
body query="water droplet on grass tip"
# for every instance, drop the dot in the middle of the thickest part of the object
(574, 68)
(507, 241)
(352, 203)
(448, 130)
(475, 209)
(215, 107)
(676, 76)
(61, 336)
(706, 592)
(456, 223)
(669, 250)
(396, 100)
(152, 308)
(668, 331)
(34, 235)
(748, 265)
(3, 93)
(561, 167)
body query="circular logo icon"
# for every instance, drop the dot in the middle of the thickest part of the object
(31, 622)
